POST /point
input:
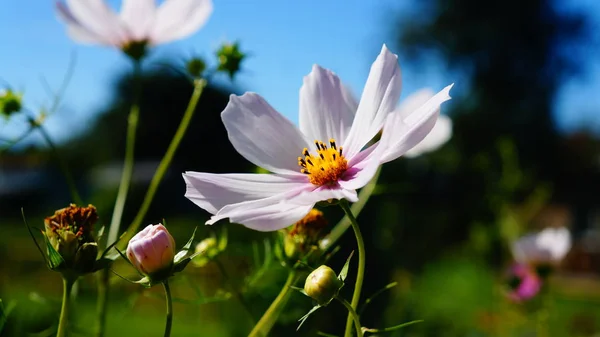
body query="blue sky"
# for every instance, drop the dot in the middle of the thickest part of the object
(285, 38)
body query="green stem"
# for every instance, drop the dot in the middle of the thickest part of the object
(236, 293)
(199, 86)
(268, 319)
(132, 121)
(353, 316)
(63, 166)
(361, 264)
(341, 227)
(169, 309)
(10, 143)
(64, 311)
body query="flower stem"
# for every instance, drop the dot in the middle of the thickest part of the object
(361, 264)
(345, 223)
(169, 309)
(268, 319)
(132, 122)
(64, 311)
(353, 315)
(199, 86)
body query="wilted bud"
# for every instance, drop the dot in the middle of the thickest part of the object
(304, 236)
(70, 233)
(196, 67)
(10, 102)
(230, 58)
(206, 250)
(135, 49)
(322, 285)
(152, 251)
(523, 282)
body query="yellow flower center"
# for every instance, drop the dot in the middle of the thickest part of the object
(326, 166)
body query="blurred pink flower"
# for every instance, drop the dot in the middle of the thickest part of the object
(152, 249)
(140, 21)
(333, 167)
(524, 282)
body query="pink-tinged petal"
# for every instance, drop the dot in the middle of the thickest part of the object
(362, 168)
(327, 108)
(76, 30)
(177, 19)
(262, 135)
(138, 16)
(379, 98)
(323, 193)
(214, 191)
(264, 215)
(99, 18)
(401, 133)
(439, 135)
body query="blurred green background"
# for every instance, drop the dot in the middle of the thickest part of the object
(439, 225)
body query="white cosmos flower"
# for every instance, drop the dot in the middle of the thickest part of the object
(140, 21)
(549, 246)
(324, 159)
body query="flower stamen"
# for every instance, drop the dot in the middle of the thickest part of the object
(326, 166)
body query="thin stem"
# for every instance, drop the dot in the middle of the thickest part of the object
(63, 166)
(64, 311)
(268, 319)
(169, 309)
(236, 293)
(353, 316)
(132, 123)
(199, 86)
(341, 227)
(360, 273)
(10, 143)
(113, 232)
(392, 328)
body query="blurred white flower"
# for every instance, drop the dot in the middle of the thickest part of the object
(141, 22)
(546, 247)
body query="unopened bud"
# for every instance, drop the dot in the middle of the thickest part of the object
(152, 251)
(206, 250)
(322, 285)
(196, 67)
(230, 58)
(10, 102)
(305, 235)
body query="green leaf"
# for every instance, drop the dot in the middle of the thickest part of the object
(377, 293)
(392, 328)
(181, 255)
(299, 290)
(33, 237)
(303, 318)
(344, 272)
(55, 260)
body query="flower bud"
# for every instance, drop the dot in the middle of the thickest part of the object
(196, 67)
(230, 58)
(206, 250)
(152, 251)
(69, 231)
(322, 285)
(304, 236)
(10, 102)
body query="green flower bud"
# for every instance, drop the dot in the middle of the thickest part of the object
(230, 58)
(207, 249)
(322, 285)
(10, 102)
(196, 67)
(69, 232)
